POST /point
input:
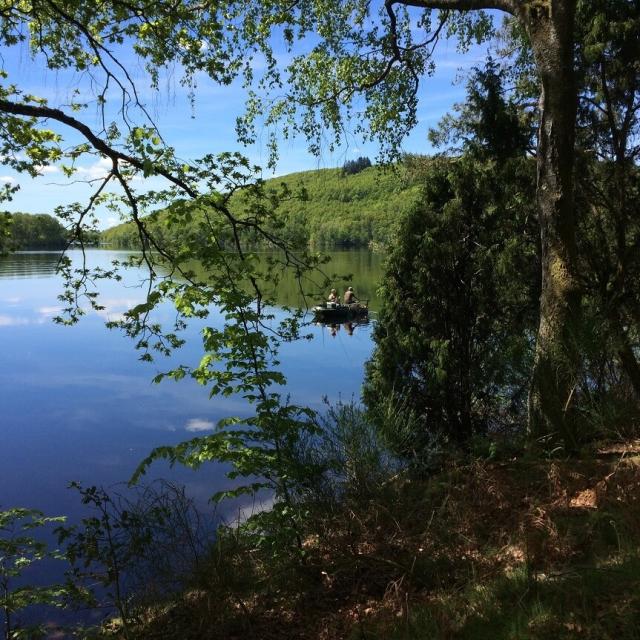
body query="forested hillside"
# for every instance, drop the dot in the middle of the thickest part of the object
(339, 210)
(32, 231)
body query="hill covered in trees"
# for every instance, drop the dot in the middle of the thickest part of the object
(339, 210)
(23, 231)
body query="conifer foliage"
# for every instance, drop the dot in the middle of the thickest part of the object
(351, 167)
(455, 334)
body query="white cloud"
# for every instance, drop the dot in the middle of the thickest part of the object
(196, 425)
(112, 317)
(47, 169)
(6, 159)
(120, 304)
(97, 170)
(457, 64)
(251, 509)
(115, 308)
(8, 180)
(203, 45)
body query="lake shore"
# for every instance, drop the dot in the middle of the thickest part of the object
(501, 550)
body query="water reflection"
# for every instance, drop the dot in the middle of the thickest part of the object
(361, 270)
(77, 404)
(349, 327)
(29, 264)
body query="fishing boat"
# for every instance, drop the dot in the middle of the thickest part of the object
(335, 312)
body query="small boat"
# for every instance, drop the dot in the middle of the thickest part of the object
(335, 312)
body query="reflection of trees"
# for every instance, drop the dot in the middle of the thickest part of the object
(364, 266)
(26, 265)
(361, 268)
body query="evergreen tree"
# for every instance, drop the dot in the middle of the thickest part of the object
(454, 338)
(351, 167)
(609, 195)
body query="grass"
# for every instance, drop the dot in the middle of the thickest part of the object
(582, 602)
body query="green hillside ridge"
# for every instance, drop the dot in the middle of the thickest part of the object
(340, 210)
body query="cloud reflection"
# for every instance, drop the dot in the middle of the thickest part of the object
(196, 425)
(49, 312)
(115, 308)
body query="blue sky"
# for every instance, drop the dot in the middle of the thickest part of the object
(208, 125)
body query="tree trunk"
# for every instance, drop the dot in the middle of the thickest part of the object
(627, 357)
(550, 27)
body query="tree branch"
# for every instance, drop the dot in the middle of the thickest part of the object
(99, 48)
(42, 111)
(462, 5)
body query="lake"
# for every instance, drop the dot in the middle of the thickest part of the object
(77, 404)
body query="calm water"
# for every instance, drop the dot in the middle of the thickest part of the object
(77, 404)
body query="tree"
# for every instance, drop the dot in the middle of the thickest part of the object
(608, 131)
(5, 232)
(35, 231)
(20, 548)
(487, 125)
(351, 167)
(377, 56)
(355, 48)
(453, 338)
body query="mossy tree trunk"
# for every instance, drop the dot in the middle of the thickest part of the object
(556, 364)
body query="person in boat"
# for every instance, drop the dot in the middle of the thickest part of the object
(350, 296)
(333, 297)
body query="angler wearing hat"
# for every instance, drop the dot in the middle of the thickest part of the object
(349, 296)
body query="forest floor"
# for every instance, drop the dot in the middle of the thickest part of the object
(516, 549)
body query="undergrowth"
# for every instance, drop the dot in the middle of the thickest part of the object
(506, 548)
